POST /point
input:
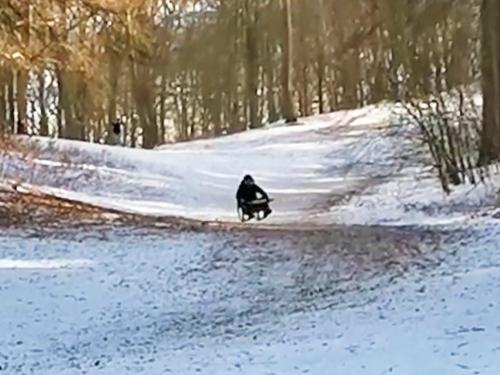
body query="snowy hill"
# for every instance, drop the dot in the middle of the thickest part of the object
(341, 299)
(346, 167)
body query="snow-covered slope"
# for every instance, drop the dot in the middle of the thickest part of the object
(210, 303)
(351, 300)
(351, 167)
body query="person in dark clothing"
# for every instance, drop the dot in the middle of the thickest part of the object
(115, 136)
(117, 127)
(248, 192)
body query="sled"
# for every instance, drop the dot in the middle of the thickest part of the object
(257, 209)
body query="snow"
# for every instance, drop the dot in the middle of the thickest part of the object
(144, 303)
(300, 166)
(42, 264)
(416, 294)
(349, 167)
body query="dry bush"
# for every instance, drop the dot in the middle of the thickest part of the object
(19, 146)
(16, 148)
(450, 125)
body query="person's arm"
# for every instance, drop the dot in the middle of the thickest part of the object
(261, 192)
(239, 197)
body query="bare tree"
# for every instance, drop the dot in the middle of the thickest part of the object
(186, 69)
(490, 53)
(252, 63)
(289, 112)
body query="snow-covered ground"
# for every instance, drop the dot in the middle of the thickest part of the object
(135, 302)
(199, 179)
(346, 167)
(343, 299)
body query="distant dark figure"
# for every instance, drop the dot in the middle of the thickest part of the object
(252, 199)
(115, 138)
(117, 127)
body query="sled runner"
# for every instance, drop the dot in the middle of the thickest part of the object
(257, 209)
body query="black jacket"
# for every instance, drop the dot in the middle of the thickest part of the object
(117, 127)
(247, 193)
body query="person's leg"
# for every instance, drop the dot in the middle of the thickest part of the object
(247, 211)
(267, 211)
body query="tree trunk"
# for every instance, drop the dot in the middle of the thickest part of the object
(134, 124)
(143, 96)
(163, 109)
(60, 114)
(44, 122)
(81, 111)
(22, 73)
(63, 113)
(378, 88)
(320, 57)
(217, 112)
(128, 131)
(21, 88)
(3, 102)
(252, 68)
(70, 128)
(490, 51)
(114, 71)
(321, 82)
(270, 81)
(304, 110)
(288, 107)
(11, 100)
(184, 124)
(303, 62)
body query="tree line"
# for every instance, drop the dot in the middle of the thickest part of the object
(182, 69)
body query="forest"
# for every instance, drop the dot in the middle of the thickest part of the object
(176, 70)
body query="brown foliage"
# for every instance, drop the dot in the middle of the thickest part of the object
(184, 69)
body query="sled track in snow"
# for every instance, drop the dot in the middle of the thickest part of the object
(92, 215)
(22, 204)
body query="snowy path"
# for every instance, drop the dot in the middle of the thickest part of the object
(348, 167)
(218, 304)
(305, 168)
